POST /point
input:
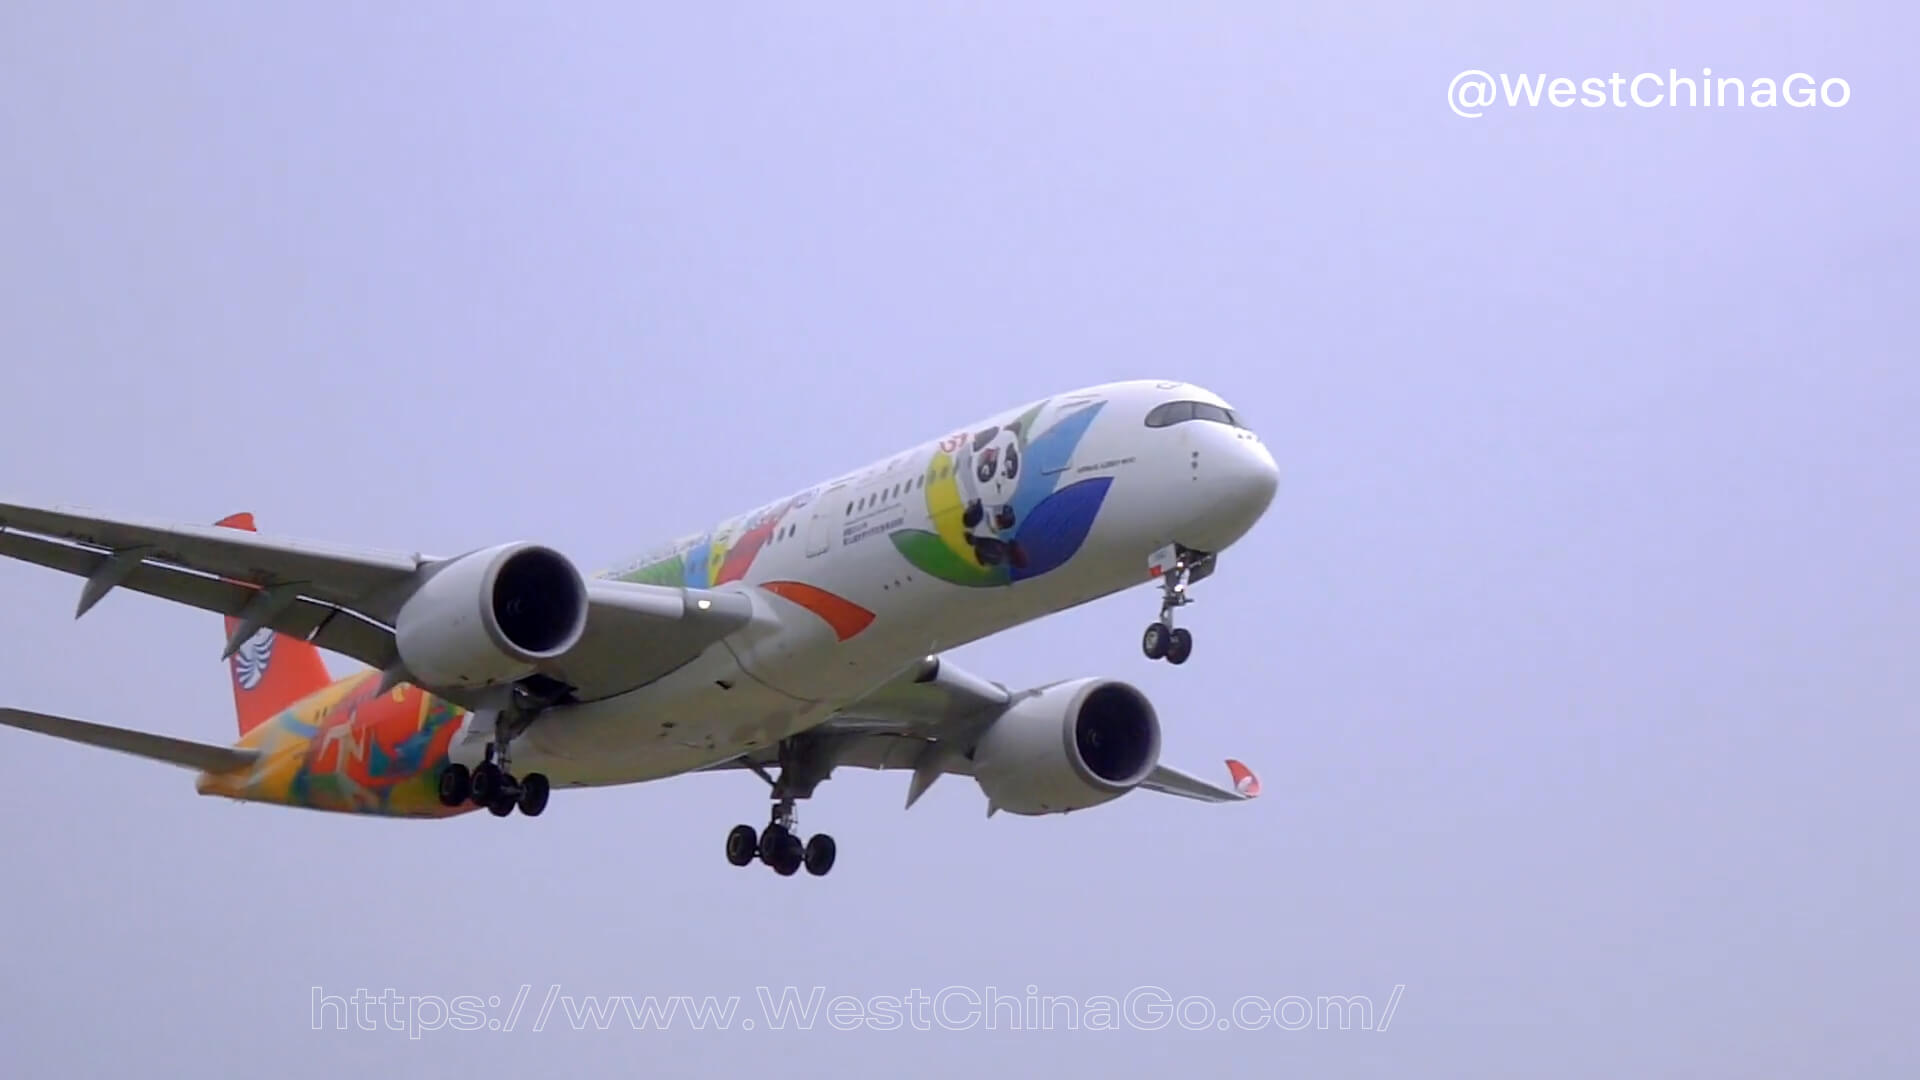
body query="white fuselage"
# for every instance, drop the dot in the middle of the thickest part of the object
(857, 578)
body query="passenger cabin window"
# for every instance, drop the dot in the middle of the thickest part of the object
(1179, 412)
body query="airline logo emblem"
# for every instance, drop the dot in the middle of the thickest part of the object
(251, 659)
(1244, 780)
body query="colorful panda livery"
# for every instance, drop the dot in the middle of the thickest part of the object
(997, 515)
(987, 478)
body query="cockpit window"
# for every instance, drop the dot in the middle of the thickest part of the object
(1179, 412)
(1173, 412)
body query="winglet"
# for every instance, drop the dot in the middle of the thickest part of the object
(1244, 780)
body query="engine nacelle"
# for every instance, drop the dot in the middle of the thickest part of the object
(1070, 746)
(491, 617)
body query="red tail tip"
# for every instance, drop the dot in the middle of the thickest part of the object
(1244, 781)
(241, 520)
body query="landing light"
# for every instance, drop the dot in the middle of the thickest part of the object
(703, 604)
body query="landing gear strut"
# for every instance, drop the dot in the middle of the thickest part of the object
(492, 783)
(779, 845)
(1177, 567)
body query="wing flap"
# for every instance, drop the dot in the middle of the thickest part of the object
(191, 755)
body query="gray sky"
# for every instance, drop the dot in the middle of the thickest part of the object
(1577, 652)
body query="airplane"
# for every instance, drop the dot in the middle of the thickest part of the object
(801, 637)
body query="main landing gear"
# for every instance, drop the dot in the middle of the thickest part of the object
(779, 845)
(492, 783)
(1177, 567)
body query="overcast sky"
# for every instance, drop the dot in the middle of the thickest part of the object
(1577, 651)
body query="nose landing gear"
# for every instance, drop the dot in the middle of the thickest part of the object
(1177, 568)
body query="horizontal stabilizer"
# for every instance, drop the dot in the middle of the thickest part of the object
(191, 755)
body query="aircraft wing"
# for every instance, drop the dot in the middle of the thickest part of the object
(1171, 781)
(927, 720)
(345, 599)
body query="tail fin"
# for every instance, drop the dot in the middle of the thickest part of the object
(270, 671)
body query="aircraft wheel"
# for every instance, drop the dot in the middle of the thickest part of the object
(743, 845)
(1179, 647)
(501, 806)
(771, 838)
(487, 782)
(786, 855)
(533, 794)
(1154, 641)
(456, 785)
(819, 854)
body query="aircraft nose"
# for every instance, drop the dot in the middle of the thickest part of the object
(1238, 480)
(1248, 479)
(1252, 477)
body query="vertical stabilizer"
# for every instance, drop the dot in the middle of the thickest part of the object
(270, 671)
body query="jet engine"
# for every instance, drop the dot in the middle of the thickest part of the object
(1068, 747)
(490, 617)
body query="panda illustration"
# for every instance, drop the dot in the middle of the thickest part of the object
(989, 475)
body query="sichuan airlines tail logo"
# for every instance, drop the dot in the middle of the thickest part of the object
(251, 659)
(1244, 780)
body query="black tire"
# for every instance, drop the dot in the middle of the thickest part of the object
(533, 794)
(819, 854)
(743, 845)
(501, 806)
(787, 854)
(1179, 647)
(456, 785)
(1154, 641)
(770, 840)
(487, 782)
